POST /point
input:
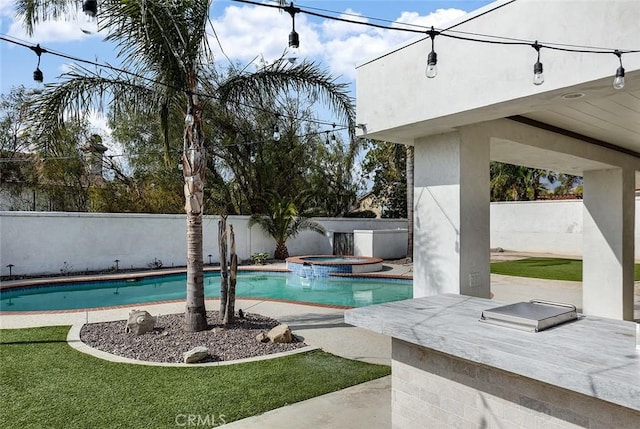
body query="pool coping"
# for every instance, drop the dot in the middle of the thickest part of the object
(359, 260)
(37, 281)
(74, 341)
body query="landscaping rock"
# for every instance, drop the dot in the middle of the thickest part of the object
(262, 337)
(195, 355)
(140, 322)
(280, 334)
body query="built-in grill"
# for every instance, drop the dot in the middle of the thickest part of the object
(533, 316)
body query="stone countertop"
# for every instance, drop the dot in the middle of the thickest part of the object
(594, 356)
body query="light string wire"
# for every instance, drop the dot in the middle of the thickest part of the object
(38, 48)
(449, 32)
(35, 157)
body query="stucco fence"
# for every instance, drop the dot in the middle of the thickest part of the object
(46, 242)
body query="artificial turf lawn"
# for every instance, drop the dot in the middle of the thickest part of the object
(545, 268)
(46, 383)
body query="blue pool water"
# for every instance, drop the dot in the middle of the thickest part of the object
(352, 292)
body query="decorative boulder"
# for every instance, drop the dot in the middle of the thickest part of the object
(280, 334)
(140, 322)
(195, 355)
(262, 337)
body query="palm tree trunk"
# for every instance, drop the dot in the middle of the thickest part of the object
(281, 251)
(410, 185)
(195, 314)
(231, 298)
(224, 284)
(193, 166)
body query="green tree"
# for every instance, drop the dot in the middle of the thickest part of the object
(164, 47)
(385, 164)
(62, 169)
(17, 175)
(511, 182)
(283, 221)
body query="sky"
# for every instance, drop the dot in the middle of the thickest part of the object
(246, 35)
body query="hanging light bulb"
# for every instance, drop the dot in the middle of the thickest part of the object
(276, 129)
(326, 140)
(294, 38)
(333, 134)
(88, 19)
(538, 77)
(38, 76)
(90, 7)
(432, 58)
(189, 119)
(618, 81)
(294, 47)
(276, 133)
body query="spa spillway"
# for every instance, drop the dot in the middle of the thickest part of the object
(326, 265)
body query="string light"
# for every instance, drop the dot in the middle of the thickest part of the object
(153, 81)
(538, 76)
(432, 59)
(618, 81)
(276, 129)
(189, 119)
(88, 20)
(90, 7)
(431, 70)
(294, 38)
(333, 134)
(37, 73)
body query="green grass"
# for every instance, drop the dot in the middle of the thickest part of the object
(545, 268)
(46, 383)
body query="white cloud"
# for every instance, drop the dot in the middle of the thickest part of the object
(63, 29)
(48, 31)
(247, 31)
(340, 29)
(7, 8)
(344, 53)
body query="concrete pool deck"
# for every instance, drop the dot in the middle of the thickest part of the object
(365, 405)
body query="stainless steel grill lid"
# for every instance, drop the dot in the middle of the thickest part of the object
(533, 316)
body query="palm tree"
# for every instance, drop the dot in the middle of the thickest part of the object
(168, 71)
(284, 221)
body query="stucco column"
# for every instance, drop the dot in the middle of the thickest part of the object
(608, 255)
(451, 215)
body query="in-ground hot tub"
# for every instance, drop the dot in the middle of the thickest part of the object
(326, 265)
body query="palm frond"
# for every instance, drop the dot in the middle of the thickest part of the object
(166, 40)
(80, 93)
(280, 77)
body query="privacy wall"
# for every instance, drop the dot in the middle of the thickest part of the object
(544, 226)
(48, 242)
(45, 242)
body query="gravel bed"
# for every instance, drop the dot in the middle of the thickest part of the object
(168, 340)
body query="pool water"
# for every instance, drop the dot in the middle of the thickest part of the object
(344, 291)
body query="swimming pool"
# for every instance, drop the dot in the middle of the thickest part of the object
(343, 291)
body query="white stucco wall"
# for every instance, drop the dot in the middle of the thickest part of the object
(41, 242)
(385, 243)
(544, 226)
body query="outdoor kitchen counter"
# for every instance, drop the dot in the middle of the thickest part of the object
(593, 356)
